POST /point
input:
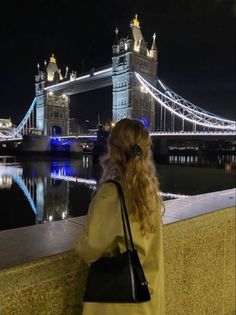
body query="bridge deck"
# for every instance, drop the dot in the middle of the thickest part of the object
(96, 80)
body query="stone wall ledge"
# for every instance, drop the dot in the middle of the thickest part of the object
(22, 245)
(40, 273)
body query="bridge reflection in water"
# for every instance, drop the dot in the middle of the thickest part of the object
(51, 191)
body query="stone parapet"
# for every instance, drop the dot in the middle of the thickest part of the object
(40, 273)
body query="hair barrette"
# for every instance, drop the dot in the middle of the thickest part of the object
(135, 150)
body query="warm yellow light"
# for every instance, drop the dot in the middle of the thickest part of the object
(112, 124)
(52, 59)
(150, 53)
(63, 214)
(136, 21)
(143, 89)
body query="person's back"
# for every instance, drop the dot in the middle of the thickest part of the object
(129, 162)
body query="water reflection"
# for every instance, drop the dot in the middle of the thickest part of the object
(228, 161)
(46, 186)
(183, 159)
(5, 182)
(50, 191)
(53, 190)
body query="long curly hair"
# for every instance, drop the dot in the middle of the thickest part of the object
(129, 161)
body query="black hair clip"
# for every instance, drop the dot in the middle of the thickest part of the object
(135, 150)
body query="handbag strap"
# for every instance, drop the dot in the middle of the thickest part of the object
(124, 215)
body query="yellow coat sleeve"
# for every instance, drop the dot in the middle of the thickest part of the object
(102, 226)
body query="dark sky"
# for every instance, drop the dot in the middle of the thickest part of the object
(195, 43)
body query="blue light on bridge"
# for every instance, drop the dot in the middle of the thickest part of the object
(144, 121)
(62, 142)
(62, 169)
(33, 173)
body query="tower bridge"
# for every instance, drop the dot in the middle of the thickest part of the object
(137, 93)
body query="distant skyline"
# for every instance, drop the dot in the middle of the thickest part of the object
(196, 46)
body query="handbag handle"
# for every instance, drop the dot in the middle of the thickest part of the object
(124, 215)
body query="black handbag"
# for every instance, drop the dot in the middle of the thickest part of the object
(119, 278)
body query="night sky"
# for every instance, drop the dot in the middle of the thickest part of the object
(195, 43)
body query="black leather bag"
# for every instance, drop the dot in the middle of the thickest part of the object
(119, 278)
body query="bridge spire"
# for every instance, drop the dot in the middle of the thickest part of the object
(154, 46)
(52, 70)
(115, 47)
(116, 36)
(66, 74)
(153, 51)
(38, 66)
(136, 21)
(52, 59)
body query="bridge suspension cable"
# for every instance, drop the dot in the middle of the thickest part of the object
(24, 123)
(187, 103)
(185, 110)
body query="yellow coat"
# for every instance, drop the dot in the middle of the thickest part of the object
(103, 233)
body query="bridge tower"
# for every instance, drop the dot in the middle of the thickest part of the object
(132, 54)
(52, 108)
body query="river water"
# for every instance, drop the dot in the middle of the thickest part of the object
(35, 192)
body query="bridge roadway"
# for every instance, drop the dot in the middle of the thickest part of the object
(198, 135)
(211, 135)
(92, 81)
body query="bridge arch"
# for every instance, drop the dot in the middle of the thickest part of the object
(56, 130)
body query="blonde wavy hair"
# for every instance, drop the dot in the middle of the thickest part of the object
(135, 170)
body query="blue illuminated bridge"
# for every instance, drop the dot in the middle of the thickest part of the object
(168, 100)
(137, 92)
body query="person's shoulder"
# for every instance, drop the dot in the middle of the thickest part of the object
(106, 194)
(108, 189)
